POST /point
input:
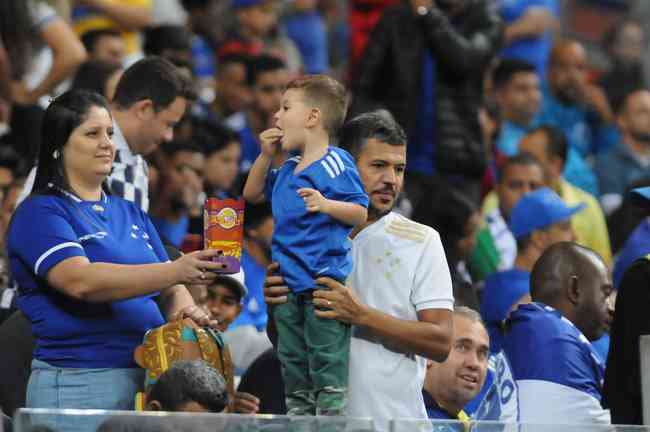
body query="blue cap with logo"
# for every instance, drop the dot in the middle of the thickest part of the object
(539, 209)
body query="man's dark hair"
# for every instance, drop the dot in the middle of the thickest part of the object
(190, 381)
(166, 37)
(212, 137)
(11, 160)
(172, 147)
(379, 125)
(93, 75)
(507, 68)
(234, 58)
(142, 423)
(152, 78)
(262, 64)
(195, 4)
(556, 142)
(90, 38)
(557, 265)
(256, 214)
(520, 159)
(621, 107)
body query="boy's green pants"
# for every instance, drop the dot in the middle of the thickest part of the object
(314, 353)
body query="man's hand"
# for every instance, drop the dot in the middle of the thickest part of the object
(342, 303)
(538, 20)
(20, 95)
(270, 141)
(275, 290)
(415, 4)
(595, 98)
(314, 200)
(244, 403)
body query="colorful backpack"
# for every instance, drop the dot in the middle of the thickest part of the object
(181, 340)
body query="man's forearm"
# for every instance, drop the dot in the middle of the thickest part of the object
(427, 339)
(128, 17)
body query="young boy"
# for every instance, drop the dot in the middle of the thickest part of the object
(316, 198)
(224, 297)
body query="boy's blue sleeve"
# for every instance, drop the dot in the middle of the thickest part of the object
(342, 181)
(271, 177)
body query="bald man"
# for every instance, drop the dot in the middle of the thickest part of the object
(557, 371)
(629, 161)
(580, 109)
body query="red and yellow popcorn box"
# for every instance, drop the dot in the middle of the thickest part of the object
(223, 229)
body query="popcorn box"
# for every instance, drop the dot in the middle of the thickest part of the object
(223, 229)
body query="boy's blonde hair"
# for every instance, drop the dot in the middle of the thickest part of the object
(326, 94)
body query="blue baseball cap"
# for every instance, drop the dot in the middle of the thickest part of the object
(539, 209)
(239, 4)
(641, 193)
(502, 289)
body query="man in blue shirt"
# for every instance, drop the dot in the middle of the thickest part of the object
(306, 28)
(629, 160)
(267, 76)
(518, 96)
(539, 220)
(578, 108)
(557, 372)
(179, 186)
(450, 385)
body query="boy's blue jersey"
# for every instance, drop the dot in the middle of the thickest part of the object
(312, 245)
(48, 229)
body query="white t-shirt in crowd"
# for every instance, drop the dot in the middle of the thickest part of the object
(399, 268)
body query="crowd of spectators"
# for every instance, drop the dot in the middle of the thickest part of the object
(502, 241)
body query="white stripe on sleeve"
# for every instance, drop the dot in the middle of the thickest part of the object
(327, 168)
(545, 401)
(333, 164)
(338, 160)
(51, 250)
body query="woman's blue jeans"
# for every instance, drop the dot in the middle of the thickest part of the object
(72, 388)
